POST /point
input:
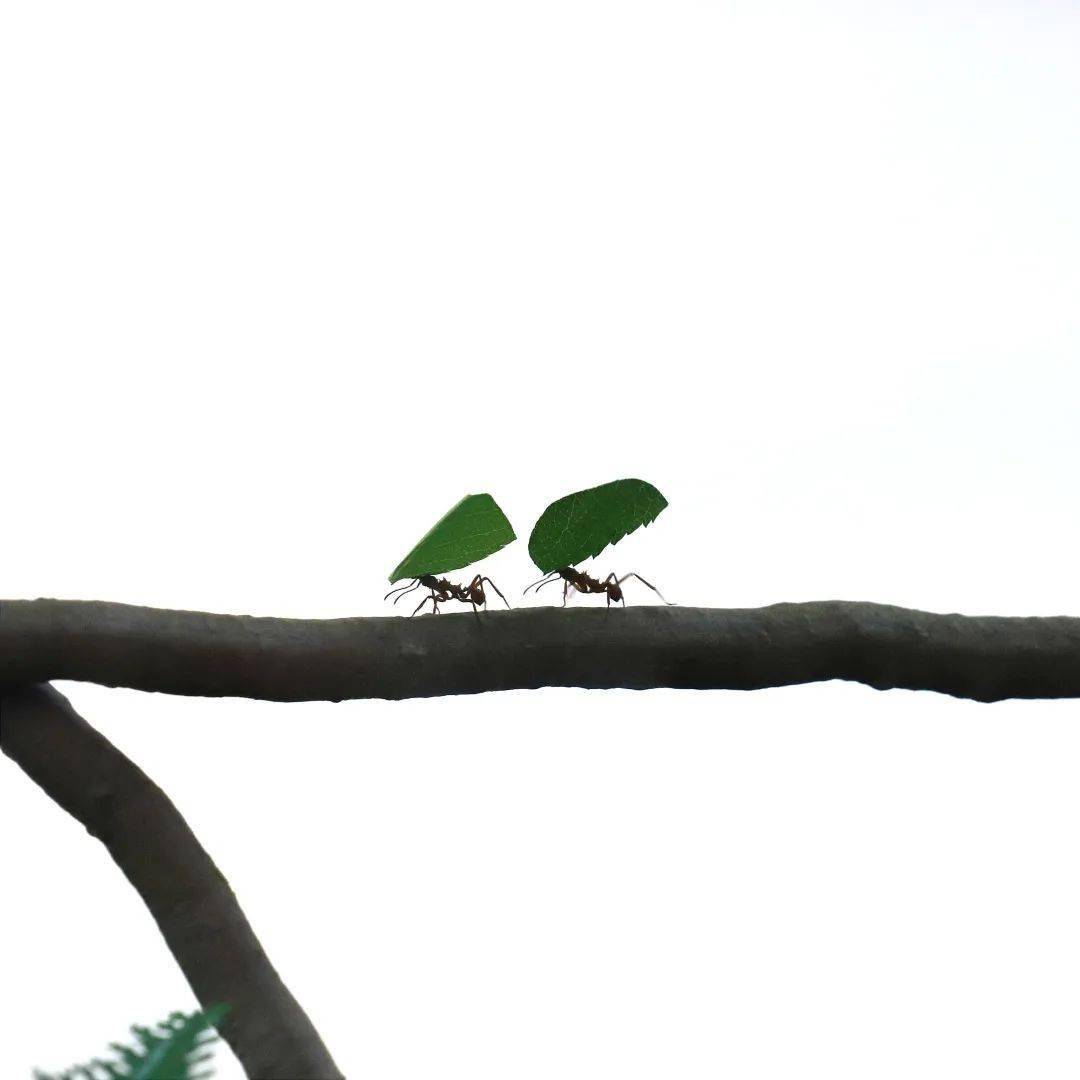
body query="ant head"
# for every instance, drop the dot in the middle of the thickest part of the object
(429, 581)
(477, 591)
(615, 592)
(567, 573)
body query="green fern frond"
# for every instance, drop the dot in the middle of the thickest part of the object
(173, 1050)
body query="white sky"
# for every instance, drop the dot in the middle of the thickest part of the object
(279, 284)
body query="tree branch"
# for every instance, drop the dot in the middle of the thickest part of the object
(986, 658)
(189, 898)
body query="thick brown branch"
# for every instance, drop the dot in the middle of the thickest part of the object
(182, 652)
(185, 892)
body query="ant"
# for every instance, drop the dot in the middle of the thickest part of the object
(578, 579)
(443, 590)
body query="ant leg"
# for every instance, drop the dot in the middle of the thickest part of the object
(644, 582)
(434, 604)
(402, 589)
(607, 591)
(496, 588)
(612, 577)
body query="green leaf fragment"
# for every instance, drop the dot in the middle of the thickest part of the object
(581, 525)
(175, 1055)
(472, 530)
(171, 1051)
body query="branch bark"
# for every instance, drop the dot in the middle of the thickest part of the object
(187, 895)
(986, 658)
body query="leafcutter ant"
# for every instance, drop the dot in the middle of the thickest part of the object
(579, 580)
(443, 590)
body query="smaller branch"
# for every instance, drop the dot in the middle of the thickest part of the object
(191, 901)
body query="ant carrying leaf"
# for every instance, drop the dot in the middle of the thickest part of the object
(443, 590)
(579, 580)
(579, 526)
(471, 530)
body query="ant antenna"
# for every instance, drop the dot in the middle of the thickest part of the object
(400, 588)
(546, 579)
(405, 592)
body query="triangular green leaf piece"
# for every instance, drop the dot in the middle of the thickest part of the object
(472, 530)
(581, 525)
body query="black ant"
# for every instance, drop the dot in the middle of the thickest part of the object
(443, 590)
(578, 579)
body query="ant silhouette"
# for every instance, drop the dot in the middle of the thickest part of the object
(579, 580)
(443, 590)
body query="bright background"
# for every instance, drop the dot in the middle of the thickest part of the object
(280, 283)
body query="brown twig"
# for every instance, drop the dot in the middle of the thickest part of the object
(186, 893)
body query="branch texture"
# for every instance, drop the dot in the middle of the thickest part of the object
(987, 658)
(189, 898)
